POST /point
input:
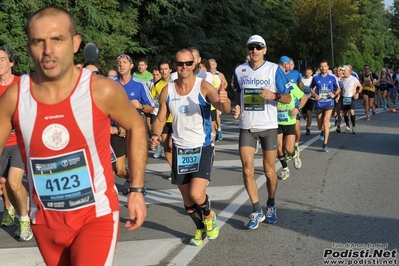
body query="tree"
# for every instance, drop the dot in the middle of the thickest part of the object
(112, 25)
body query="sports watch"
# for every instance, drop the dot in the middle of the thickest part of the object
(127, 190)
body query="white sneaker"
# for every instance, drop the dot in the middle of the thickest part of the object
(353, 130)
(285, 173)
(347, 130)
(297, 161)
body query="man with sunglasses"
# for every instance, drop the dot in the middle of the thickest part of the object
(208, 76)
(259, 86)
(189, 100)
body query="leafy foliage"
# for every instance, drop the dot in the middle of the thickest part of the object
(363, 32)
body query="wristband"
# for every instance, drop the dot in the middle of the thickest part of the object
(138, 190)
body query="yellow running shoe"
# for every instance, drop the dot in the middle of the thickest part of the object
(25, 232)
(212, 230)
(198, 237)
(8, 217)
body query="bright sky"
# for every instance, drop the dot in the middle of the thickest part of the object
(388, 3)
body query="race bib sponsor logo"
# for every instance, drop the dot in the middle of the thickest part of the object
(245, 81)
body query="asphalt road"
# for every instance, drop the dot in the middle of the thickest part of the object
(341, 202)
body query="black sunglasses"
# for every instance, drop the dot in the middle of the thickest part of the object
(97, 73)
(366, 68)
(257, 47)
(187, 63)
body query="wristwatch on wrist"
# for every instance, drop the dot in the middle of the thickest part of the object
(143, 190)
(119, 130)
(278, 96)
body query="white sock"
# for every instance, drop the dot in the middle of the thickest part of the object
(24, 218)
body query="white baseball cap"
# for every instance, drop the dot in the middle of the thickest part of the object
(345, 67)
(256, 39)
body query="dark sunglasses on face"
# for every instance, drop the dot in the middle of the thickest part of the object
(187, 63)
(366, 68)
(97, 73)
(257, 47)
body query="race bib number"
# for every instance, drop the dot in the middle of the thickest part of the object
(188, 160)
(282, 115)
(253, 100)
(347, 100)
(63, 183)
(324, 93)
(306, 89)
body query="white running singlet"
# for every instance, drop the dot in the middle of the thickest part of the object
(191, 117)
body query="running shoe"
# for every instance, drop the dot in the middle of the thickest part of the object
(170, 176)
(324, 148)
(308, 131)
(285, 174)
(255, 219)
(347, 130)
(353, 130)
(271, 216)
(367, 118)
(288, 157)
(297, 161)
(373, 111)
(199, 236)
(338, 129)
(321, 137)
(25, 232)
(212, 230)
(219, 135)
(8, 217)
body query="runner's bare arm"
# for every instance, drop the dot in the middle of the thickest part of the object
(224, 80)
(8, 103)
(218, 99)
(160, 120)
(111, 98)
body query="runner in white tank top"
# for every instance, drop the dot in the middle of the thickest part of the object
(188, 99)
